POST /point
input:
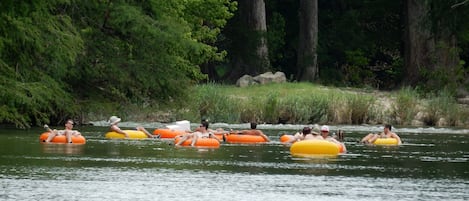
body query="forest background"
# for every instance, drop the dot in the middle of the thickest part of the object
(162, 60)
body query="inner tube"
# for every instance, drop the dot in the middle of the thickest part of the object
(167, 133)
(61, 139)
(201, 142)
(386, 141)
(244, 139)
(219, 134)
(133, 134)
(286, 138)
(308, 148)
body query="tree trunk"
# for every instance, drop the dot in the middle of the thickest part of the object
(308, 39)
(252, 57)
(430, 56)
(418, 42)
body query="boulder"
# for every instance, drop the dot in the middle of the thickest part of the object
(245, 81)
(265, 78)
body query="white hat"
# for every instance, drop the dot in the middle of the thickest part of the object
(325, 128)
(114, 120)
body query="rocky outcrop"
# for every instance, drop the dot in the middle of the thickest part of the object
(265, 78)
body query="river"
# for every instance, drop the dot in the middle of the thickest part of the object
(432, 164)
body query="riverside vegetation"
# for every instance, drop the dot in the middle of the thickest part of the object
(298, 103)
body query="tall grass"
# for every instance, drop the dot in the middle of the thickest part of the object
(359, 106)
(306, 103)
(443, 106)
(405, 105)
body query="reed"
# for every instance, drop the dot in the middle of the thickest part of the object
(443, 109)
(306, 103)
(359, 106)
(405, 106)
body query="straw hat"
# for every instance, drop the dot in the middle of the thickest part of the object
(315, 130)
(114, 120)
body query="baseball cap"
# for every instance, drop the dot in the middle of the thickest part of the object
(325, 128)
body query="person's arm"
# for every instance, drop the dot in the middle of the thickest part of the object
(212, 135)
(76, 133)
(116, 129)
(293, 139)
(331, 139)
(259, 132)
(394, 135)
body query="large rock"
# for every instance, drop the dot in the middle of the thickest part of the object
(265, 78)
(245, 81)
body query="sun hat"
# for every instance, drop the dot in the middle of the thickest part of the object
(114, 120)
(325, 128)
(315, 130)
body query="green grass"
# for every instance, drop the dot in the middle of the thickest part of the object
(301, 103)
(278, 103)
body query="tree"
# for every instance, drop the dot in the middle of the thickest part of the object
(249, 47)
(38, 46)
(54, 54)
(308, 39)
(431, 55)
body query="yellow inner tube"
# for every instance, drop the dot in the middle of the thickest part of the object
(133, 134)
(314, 147)
(385, 141)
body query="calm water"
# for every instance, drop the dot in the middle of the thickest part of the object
(431, 165)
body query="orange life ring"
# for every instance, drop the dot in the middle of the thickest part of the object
(61, 139)
(247, 139)
(167, 133)
(201, 142)
(341, 148)
(286, 138)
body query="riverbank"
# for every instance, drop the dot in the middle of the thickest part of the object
(295, 103)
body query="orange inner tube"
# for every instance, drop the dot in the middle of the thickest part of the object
(167, 133)
(341, 148)
(238, 138)
(61, 139)
(201, 142)
(286, 138)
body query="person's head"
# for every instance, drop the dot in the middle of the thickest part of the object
(315, 130)
(204, 124)
(113, 120)
(69, 124)
(387, 127)
(253, 125)
(325, 131)
(306, 130)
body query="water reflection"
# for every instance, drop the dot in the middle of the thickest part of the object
(425, 167)
(63, 148)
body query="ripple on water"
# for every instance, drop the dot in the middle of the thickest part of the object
(108, 183)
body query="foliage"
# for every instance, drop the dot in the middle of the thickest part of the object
(298, 103)
(38, 44)
(128, 52)
(443, 105)
(405, 106)
(359, 106)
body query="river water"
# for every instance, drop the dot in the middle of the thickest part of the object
(432, 164)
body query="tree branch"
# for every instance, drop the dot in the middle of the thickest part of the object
(459, 4)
